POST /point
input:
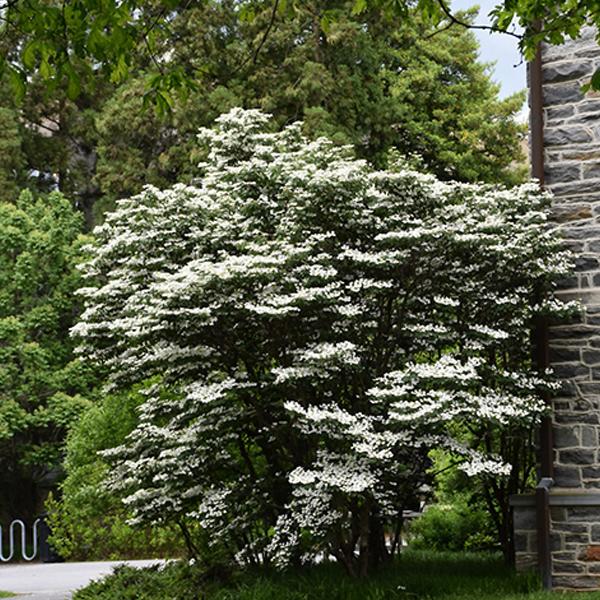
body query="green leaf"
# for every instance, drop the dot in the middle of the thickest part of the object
(595, 81)
(359, 7)
(17, 83)
(29, 54)
(46, 71)
(73, 81)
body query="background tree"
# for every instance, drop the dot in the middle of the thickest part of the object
(364, 79)
(356, 79)
(83, 39)
(40, 383)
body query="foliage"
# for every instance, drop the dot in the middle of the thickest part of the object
(318, 327)
(431, 575)
(12, 160)
(70, 43)
(454, 526)
(40, 382)
(90, 523)
(381, 86)
(462, 502)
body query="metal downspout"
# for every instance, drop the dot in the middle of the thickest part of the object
(536, 106)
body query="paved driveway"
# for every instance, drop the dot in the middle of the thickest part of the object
(38, 581)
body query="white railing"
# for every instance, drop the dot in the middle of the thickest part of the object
(11, 541)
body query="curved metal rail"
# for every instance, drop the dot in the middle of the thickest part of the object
(11, 541)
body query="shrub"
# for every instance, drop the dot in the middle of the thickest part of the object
(455, 526)
(90, 522)
(318, 327)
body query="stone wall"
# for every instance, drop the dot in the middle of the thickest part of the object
(572, 173)
(575, 537)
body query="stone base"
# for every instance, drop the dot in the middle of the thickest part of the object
(575, 537)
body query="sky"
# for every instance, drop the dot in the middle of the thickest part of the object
(509, 70)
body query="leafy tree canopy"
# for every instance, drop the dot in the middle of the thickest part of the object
(366, 78)
(356, 80)
(66, 43)
(40, 383)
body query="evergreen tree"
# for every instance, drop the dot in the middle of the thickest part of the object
(359, 79)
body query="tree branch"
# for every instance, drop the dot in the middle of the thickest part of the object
(456, 21)
(267, 31)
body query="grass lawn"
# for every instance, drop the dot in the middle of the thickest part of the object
(6, 594)
(417, 575)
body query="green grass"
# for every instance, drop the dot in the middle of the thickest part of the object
(6, 594)
(416, 576)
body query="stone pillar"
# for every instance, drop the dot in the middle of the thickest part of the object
(572, 174)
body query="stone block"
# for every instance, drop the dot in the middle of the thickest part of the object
(567, 476)
(565, 353)
(557, 173)
(524, 518)
(591, 388)
(590, 472)
(573, 332)
(577, 456)
(564, 213)
(589, 104)
(591, 170)
(591, 356)
(575, 189)
(581, 404)
(593, 568)
(567, 70)
(562, 93)
(589, 514)
(559, 113)
(571, 528)
(564, 418)
(575, 582)
(593, 319)
(586, 263)
(592, 553)
(586, 52)
(581, 232)
(566, 437)
(567, 567)
(574, 370)
(585, 153)
(564, 555)
(562, 136)
(595, 533)
(589, 436)
(575, 538)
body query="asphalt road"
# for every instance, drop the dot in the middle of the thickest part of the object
(38, 581)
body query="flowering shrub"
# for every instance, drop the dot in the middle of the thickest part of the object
(317, 327)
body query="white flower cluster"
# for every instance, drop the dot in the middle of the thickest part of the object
(312, 328)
